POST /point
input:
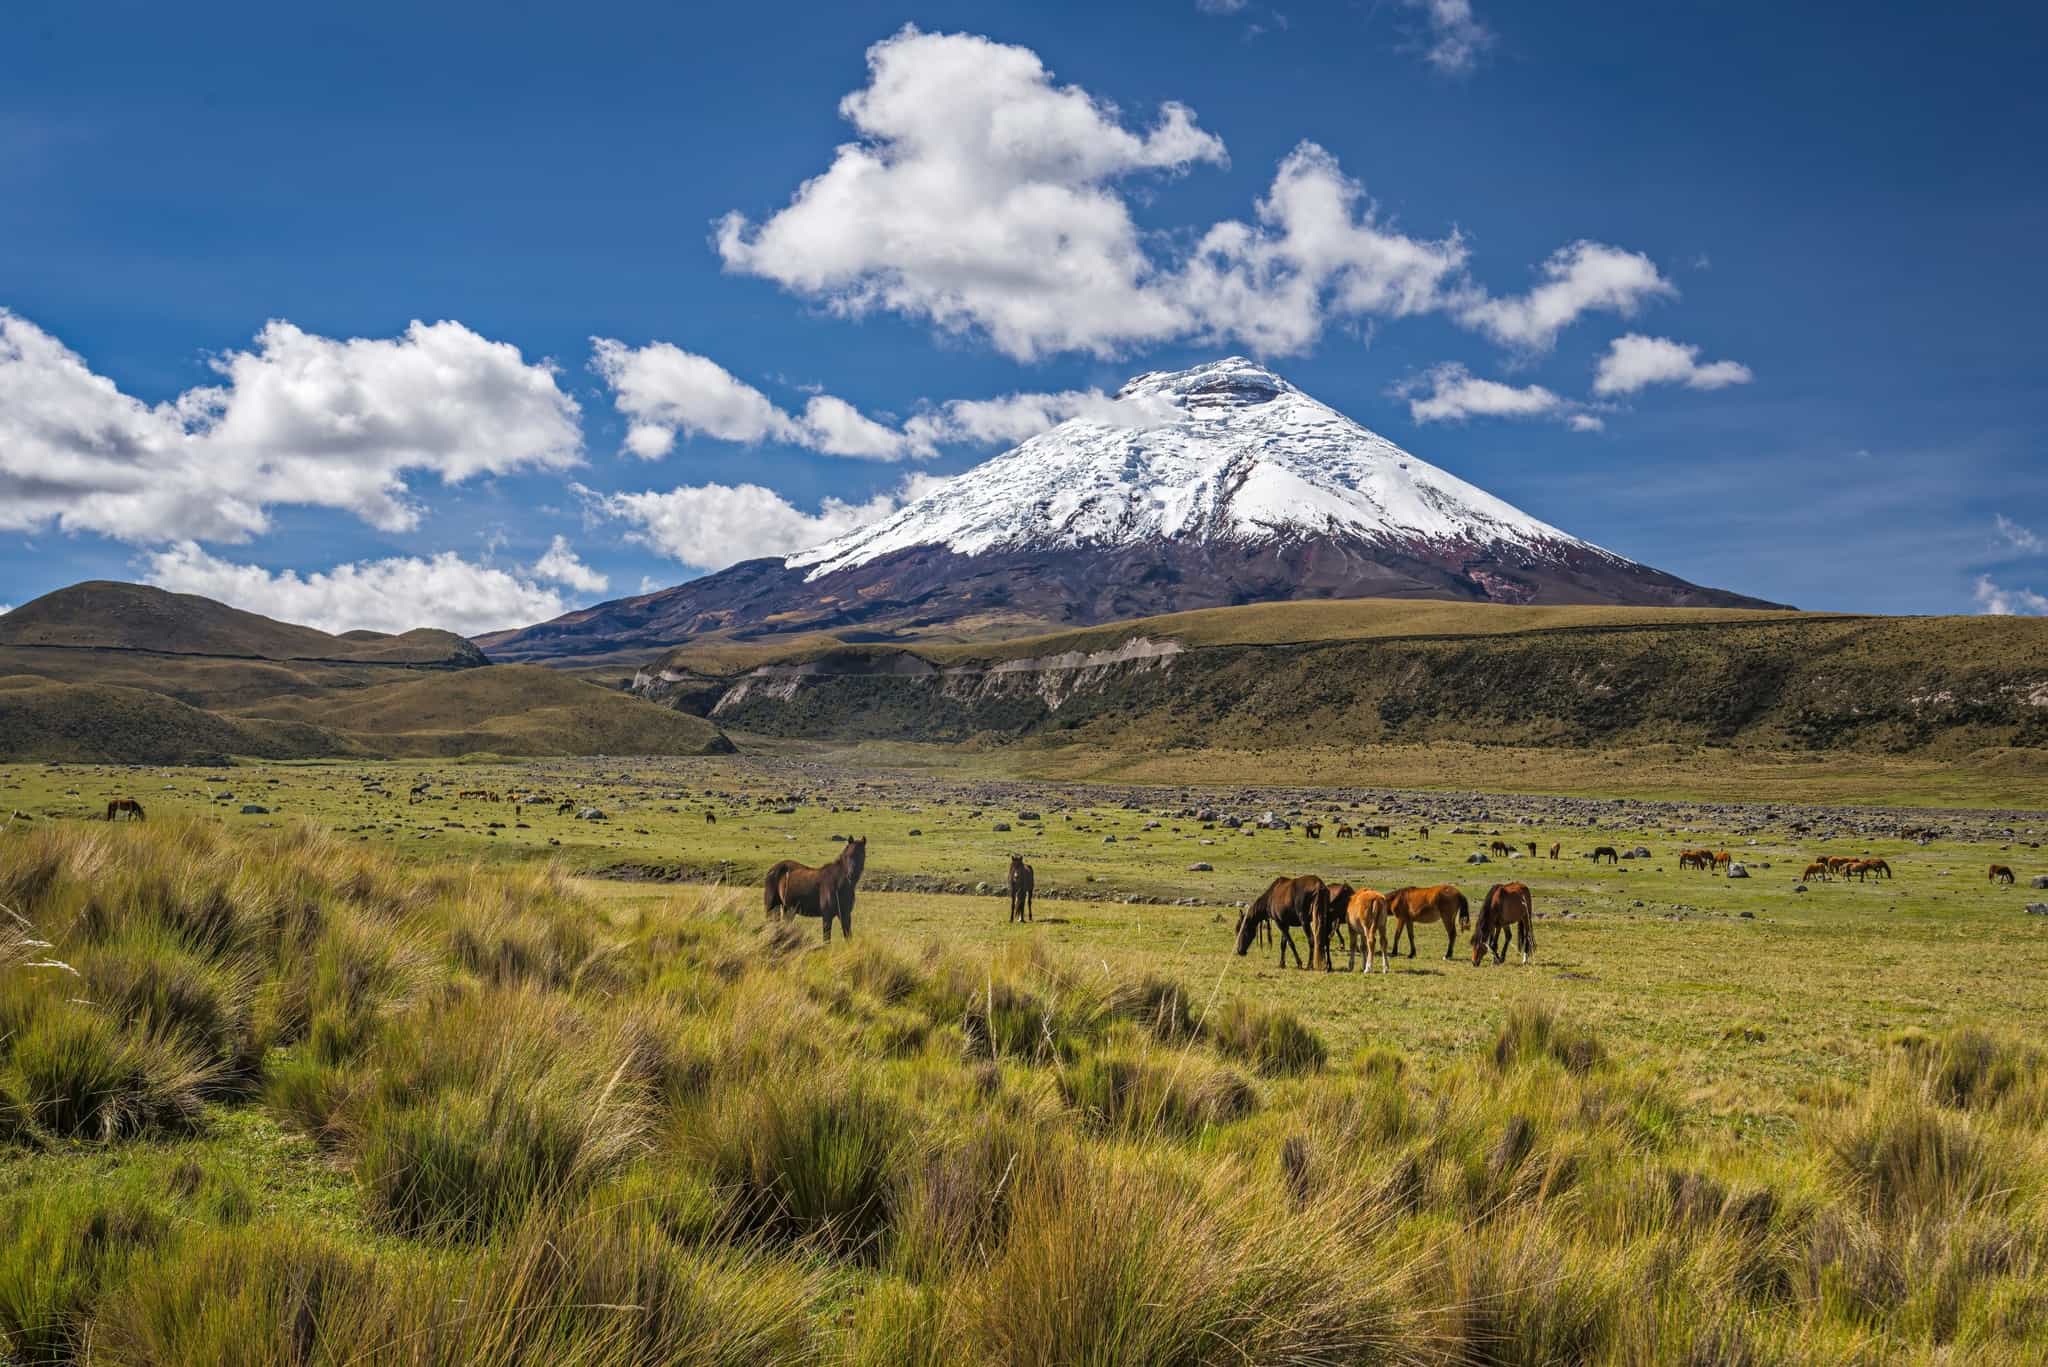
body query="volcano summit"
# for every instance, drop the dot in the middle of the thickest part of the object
(1218, 485)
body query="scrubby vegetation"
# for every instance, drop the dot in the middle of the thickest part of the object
(272, 1097)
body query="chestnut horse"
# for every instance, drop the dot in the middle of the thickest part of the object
(1507, 905)
(124, 804)
(1442, 903)
(1554, 849)
(1365, 913)
(2001, 874)
(1289, 903)
(795, 889)
(1814, 871)
(1021, 883)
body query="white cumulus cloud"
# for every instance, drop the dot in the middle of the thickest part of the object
(298, 419)
(1456, 37)
(395, 594)
(711, 526)
(1585, 277)
(2004, 602)
(983, 197)
(1451, 393)
(1635, 362)
(560, 565)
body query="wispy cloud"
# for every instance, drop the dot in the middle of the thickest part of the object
(1457, 39)
(2015, 536)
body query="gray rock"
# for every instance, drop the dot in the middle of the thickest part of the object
(1201, 866)
(1001, 826)
(255, 809)
(2037, 908)
(2039, 880)
(1737, 871)
(1476, 858)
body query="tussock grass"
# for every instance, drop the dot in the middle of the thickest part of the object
(290, 1102)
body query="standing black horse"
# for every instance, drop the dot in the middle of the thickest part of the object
(794, 889)
(1302, 903)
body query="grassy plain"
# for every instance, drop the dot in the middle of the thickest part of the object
(360, 1079)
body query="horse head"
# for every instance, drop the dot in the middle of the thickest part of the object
(856, 856)
(1247, 926)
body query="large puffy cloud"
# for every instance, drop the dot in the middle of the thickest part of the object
(711, 526)
(1586, 277)
(1635, 362)
(978, 196)
(1456, 37)
(983, 197)
(2004, 602)
(1317, 249)
(396, 594)
(297, 419)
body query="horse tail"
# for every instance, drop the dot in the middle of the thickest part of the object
(1464, 908)
(771, 891)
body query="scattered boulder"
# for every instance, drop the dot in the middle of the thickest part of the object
(591, 814)
(1737, 871)
(1029, 816)
(1001, 826)
(1477, 858)
(2037, 908)
(255, 809)
(1201, 866)
(2039, 880)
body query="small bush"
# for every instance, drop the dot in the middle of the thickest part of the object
(1271, 1039)
(82, 1077)
(812, 1158)
(60, 1248)
(1533, 1032)
(1910, 1158)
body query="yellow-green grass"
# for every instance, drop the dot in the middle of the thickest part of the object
(496, 1117)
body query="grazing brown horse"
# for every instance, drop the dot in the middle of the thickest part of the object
(1313, 830)
(124, 804)
(1346, 832)
(1365, 914)
(1554, 850)
(1500, 848)
(1813, 871)
(1722, 859)
(1021, 883)
(794, 889)
(1695, 859)
(1289, 903)
(1606, 852)
(2001, 874)
(1507, 905)
(1442, 903)
(1877, 866)
(1333, 923)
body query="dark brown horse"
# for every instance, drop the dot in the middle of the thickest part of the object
(126, 805)
(1606, 852)
(1290, 903)
(794, 889)
(1442, 903)
(1021, 883)
(1507, 905)
(2001, 874)
(1332, 924)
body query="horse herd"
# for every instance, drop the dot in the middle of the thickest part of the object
(1323, 911)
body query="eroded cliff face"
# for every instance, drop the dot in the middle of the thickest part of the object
(900, 688)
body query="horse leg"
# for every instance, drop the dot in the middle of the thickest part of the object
(1528, 939)
(846, 922)
(1451, 930)
(1287, 943)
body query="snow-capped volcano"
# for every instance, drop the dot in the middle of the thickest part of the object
(1208, 487)
(1225, 452)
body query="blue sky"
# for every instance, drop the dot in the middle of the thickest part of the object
(1751, 293)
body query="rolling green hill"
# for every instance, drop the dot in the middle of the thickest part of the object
(102, 615)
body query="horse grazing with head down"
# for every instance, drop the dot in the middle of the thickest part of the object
(1606, 852)
(128, 805)
(1290, 903)
(1442, 903)
(1507, 906)
(1021, 883)
(2001, 874)
(794, 889)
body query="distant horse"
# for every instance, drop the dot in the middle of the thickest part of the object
(1021, 883)
(1722, 859)
(711, 818)
(1381, 832)
(1346, 832)
(1877, 866)
(1695, 859)
(1422, 831)
(1365, 913)
(1442, 903)
(2001, 874)
(1289, 903)
(1507, 905)
(1500, 849)
(827, 891)
(1554, 849)
(124, 804)
(1813, 871)
(1606, 852)
(1313, 830)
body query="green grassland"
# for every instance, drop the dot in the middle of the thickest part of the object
(357, 1079)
